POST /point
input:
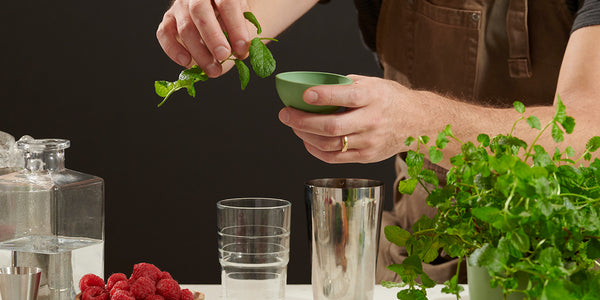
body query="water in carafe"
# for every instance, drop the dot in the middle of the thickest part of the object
(53, 218)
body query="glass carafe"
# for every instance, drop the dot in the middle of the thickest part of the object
(53, 218)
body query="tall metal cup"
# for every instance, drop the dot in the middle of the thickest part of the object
(345, 218)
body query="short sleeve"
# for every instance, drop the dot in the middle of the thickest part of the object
(587, 15)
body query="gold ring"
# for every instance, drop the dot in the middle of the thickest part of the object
(345, 144)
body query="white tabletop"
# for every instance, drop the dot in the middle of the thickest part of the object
(304, 292)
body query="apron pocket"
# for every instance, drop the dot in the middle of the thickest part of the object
(429, 46)
(445, 53)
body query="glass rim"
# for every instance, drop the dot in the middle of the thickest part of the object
(20, 270)
(40, 145)
(229, 203)
(344, 183)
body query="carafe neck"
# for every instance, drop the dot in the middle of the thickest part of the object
(44, 155)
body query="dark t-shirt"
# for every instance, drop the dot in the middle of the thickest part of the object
(587, 13)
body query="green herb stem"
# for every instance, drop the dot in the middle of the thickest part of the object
(535, 141)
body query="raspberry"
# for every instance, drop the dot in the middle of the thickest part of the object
(186, 295)
(90, 280)
(95, 293)
(165, 275)
(114, 278)
(168, 288)
(155, 297)
(146, 270)
(121, 285)
(142, 287)
(122, 295)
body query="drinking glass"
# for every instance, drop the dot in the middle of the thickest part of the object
(254, 244)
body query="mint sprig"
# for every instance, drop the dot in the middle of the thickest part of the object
(510, 207)
(261, 59)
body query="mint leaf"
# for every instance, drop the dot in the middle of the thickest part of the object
(427, 282)
(187, 79)
(593, 144)
(414, 159)
(428, 176)
(568, 124)
(519, 106)
(250, 17)
(441, 140)
(162, 87)
(557, 133)
(243, 72)
(534, 122)
(194, 74)
(424, 139)
(435, 155)
(484, 139)
(407, 186)
(409, 140)
(560, 114)
(410, 294)
(396, 235)
(261, 59)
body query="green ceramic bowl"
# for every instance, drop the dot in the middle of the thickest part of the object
(291, 85)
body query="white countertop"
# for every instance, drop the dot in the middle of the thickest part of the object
(304, 292)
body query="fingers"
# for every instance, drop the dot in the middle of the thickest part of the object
(167, 37)
(203, 15)
(192, 31)
(234, 21)
(353, 95)
(329, 125)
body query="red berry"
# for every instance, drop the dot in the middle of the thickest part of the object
(165, 275)
(95, 293)
(146, 270)
(142, 287)
(168, 288)
(155, 297)
(186, 295)
(90, 280)
(114, 278)
(122, 295)
(121, 285)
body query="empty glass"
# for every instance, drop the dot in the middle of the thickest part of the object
(254, 245)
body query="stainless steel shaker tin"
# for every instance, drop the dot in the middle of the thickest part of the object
(344, 224)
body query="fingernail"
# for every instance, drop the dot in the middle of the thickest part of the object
(284, 116)
(221, 53)
(183, 59)
(311, 97)
(212, 70)
(240, 45)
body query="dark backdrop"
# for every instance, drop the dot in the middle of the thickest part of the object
(84, 70)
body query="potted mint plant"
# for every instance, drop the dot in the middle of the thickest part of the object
(529, 218)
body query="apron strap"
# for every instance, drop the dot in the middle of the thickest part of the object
(519, 61)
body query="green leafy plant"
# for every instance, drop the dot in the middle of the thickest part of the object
(261, 60)
(511, 208)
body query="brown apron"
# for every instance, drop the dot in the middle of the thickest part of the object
(490, 52)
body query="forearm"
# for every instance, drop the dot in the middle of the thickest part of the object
(276, 16)
(468, 121)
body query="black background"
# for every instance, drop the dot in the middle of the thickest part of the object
(85, 70)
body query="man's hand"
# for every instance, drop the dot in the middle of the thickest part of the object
(379, 117)
(191, 33)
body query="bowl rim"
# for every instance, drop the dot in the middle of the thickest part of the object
(345, 78)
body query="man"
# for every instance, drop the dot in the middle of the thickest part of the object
(445, 62)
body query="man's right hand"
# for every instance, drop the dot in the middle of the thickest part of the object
(191, 33)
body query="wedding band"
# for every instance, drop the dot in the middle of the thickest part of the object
(345, 144)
